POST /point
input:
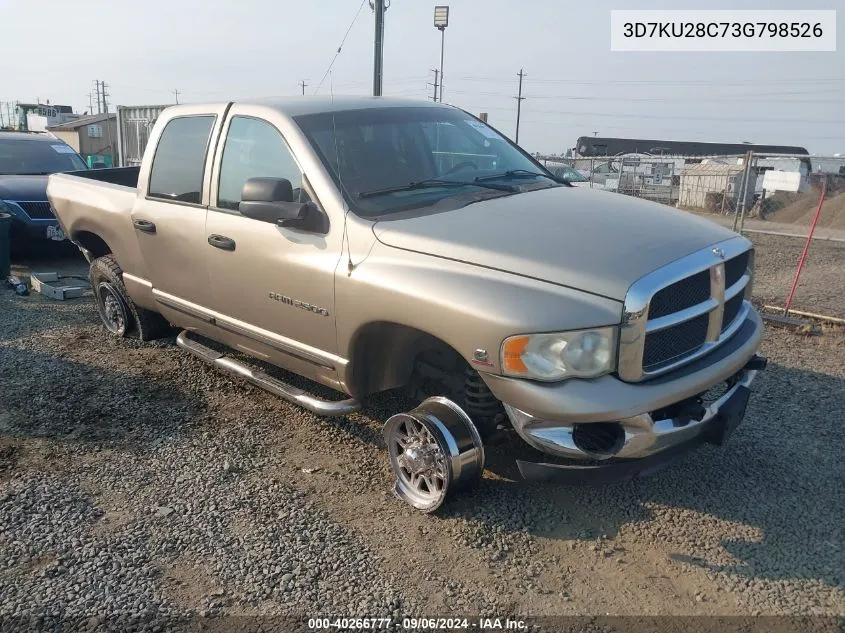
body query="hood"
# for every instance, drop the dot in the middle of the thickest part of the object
(23, 188)
(596, 241)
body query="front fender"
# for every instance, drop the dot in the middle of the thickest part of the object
(467, 307)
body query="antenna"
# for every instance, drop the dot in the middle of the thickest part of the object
(349, 265)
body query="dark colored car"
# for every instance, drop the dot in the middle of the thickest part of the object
(26, 160)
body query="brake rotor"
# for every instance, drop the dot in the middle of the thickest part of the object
(434, 450)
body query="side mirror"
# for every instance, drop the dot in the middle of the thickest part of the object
(271, 200)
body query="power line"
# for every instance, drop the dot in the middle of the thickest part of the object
(662, 116)
(616, 99)
(342, 42)
(738, 98)
(654, 82)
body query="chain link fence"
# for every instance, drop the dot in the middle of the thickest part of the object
(776, 199)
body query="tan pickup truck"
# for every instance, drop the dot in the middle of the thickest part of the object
(370, 244)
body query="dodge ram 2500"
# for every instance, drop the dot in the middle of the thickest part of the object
(370, 244)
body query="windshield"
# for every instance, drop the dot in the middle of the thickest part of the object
(390, 159)
(35, 156)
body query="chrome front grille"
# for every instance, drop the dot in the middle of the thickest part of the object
(682, 311)
(679, 296)
(667, 345)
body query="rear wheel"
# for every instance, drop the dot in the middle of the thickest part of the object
(112, 308)
(119, 314)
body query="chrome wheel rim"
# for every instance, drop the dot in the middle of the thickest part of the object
(419, 461)
(112, 309)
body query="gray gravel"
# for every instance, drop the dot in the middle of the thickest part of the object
(136, 481)
(821, 287)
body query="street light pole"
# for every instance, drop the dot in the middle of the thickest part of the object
(442, 48)
(441, 21)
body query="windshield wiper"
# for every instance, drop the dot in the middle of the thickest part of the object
(516, 173)
(433, 183)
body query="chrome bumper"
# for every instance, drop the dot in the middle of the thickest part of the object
(643, 435)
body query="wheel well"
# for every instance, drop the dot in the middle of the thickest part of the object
(384, 355)
(92, 243)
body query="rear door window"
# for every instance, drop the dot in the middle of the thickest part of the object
(179, 160)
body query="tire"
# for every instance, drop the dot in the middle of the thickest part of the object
(119, 314)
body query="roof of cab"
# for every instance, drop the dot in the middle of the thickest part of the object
(298, 106)
(29, 136)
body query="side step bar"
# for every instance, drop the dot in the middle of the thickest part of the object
(328, 408)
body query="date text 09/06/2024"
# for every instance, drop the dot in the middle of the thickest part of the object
(418, 624)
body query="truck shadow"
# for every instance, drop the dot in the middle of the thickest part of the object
(76, 402)
(772, 499)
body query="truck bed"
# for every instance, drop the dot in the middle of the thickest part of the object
(98, 202)
(123, 176)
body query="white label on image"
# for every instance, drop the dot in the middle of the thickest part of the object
(63, 149)
(723, 30)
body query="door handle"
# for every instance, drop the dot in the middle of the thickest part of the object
(222, 242)
(145, 225)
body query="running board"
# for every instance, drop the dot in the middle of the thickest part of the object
(328, 408)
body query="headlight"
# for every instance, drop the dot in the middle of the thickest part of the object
(582, 353)
(7, 208)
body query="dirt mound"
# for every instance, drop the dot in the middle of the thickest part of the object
(799, 208)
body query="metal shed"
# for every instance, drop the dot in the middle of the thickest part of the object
(706, 183)
(134, 124)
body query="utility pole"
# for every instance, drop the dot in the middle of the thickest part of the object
(97, 94)
(436, 73)
(105, 95)
(378, 52)
(519, 99)
(595, 133)
(176, 93)
(303, 85)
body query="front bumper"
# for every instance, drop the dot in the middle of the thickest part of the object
(32, 229)
(650, 448)
(653, 420)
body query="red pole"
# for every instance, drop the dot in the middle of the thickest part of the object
(806, 248)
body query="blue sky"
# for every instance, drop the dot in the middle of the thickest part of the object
(219, 49)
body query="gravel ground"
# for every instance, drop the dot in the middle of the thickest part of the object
(821, 288)
(134, 480)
